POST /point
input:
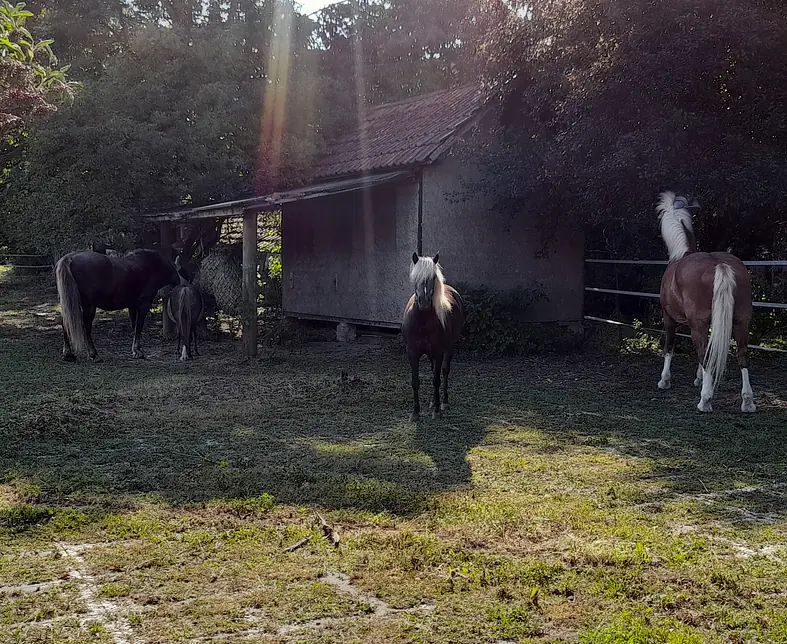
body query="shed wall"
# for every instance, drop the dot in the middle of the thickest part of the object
(479, 246)
(347, 256)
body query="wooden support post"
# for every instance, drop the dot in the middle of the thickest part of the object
(250, 284)
(166, 238)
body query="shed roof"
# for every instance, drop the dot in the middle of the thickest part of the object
(390, 139)
(414, 131)
(273, 201)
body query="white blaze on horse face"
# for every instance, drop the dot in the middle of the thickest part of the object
(424, 293)
(747, 406)
(666, 376)
(707, 392)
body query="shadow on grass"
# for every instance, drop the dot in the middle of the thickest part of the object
(223, 427)
(288, 425)
(735, 464)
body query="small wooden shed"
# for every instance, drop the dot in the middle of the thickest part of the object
(346, 257)
(385, 190)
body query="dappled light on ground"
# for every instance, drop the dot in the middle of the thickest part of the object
(558, 498)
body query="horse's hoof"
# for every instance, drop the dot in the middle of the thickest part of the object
(431, 405)
(748, 407)
(697, 382)
(414, 418)
(70, 357)
(435, 414)
(95, 359)
(664, 384)
(138, 355)
(705, 407)
(444, 407)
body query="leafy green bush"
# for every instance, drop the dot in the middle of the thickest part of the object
(643, 341)
(497, 321)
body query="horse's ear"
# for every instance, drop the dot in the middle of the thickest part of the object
(415, 258)
(436, 258)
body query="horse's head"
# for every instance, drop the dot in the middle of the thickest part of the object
(425, 275)
(166, 272)
(688, 203)
(184, 274)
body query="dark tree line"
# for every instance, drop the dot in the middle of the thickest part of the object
(600, 105)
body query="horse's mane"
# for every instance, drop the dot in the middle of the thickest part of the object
(675, 222)
(442, 301)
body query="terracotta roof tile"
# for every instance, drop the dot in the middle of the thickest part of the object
(409, 132)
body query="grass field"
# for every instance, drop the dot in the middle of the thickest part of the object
(560, 499)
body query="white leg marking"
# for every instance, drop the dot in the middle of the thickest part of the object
(747, 406)
(183, 355)
(666, 376)
(698, 379)
(707, 392)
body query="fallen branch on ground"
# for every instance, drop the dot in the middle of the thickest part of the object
(328, 531)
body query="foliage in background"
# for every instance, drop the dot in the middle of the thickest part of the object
(86, 33)
(603, 104)
(496, 322)
(199, 102)
(185, 126)
(30, 79)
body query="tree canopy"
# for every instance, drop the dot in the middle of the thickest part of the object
(30, 80)
(603, 104)
(199, 102)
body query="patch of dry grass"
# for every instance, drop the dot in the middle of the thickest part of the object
(561, 499)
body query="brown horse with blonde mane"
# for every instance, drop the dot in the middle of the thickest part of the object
(702, 290)
(433, 320)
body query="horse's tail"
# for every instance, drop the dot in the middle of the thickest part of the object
(70, 305)
(185, 320)
(721, 322)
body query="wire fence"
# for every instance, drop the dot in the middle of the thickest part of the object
(643, 294)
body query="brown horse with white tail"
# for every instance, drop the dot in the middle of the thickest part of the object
(433, 320)
(703, 290)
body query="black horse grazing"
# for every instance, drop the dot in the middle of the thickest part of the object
(87, 281)
(185, 308)
(433, 320)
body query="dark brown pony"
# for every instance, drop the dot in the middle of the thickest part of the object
(701, 290)
(185, 309)
(87, 281)
(432, 323)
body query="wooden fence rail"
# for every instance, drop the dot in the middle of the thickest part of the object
(646, 262)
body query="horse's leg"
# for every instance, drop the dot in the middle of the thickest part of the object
(698, 378)
(186, 352)
(438, 367)
(669, 350)
(740, 332)
(88, 314)
(68, 353)
(415, 358)
(446, 371)
(194, 337)
(699, 335)
(431, 363)
(142, 312)
(132, 315)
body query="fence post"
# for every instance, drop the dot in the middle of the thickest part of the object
(250, 284)
(166, 238)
